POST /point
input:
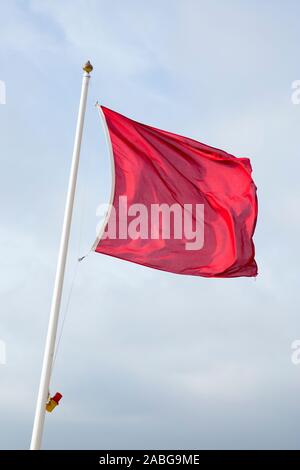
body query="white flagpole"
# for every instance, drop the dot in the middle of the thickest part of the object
(39, 419)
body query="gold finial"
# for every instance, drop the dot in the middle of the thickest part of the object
(88, 67)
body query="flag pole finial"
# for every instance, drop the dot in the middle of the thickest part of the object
(88, 67)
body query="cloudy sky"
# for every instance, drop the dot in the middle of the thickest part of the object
(148, 359)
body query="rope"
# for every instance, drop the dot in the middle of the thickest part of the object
(79, 259)
(65, 313)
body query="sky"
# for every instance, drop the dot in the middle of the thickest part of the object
(148, 359)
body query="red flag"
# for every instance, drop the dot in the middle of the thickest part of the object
(178, 205)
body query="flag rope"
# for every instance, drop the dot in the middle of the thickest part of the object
(79, 259)
(65, 314)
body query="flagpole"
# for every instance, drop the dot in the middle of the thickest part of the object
(39, 419)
